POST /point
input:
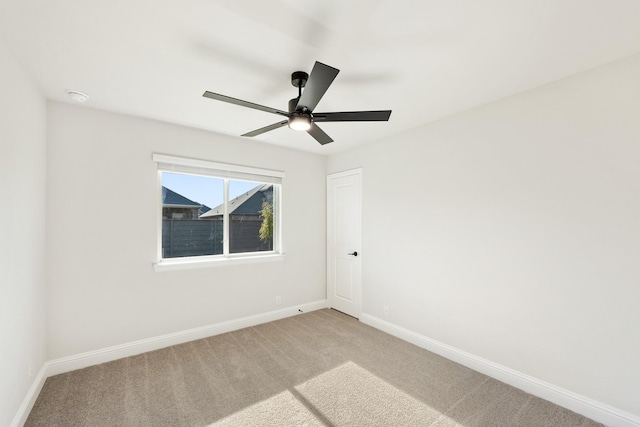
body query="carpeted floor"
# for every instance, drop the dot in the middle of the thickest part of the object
(321, 368)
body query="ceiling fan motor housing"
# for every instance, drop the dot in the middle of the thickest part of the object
(293, 107)
(299, 119)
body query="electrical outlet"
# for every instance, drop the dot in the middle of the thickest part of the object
(278, 300)
(385, 311)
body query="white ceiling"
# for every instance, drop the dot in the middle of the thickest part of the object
(424, 59)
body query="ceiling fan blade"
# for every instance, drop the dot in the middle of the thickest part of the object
(319, 81)
(242, 103)
(353, 116)
(266, 128)
(319, 134)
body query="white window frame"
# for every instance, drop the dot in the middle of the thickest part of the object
(168, 163)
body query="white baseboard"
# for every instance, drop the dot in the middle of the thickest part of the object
(30, 399)
(595, 410)
(96, 357)
(90, 358)
(590, 408)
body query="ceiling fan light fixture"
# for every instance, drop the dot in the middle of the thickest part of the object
(300, 123)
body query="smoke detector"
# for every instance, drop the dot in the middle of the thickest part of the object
(77, 96)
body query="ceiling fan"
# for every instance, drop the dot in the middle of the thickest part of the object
(300, 115)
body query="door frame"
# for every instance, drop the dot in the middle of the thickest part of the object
(358, 298)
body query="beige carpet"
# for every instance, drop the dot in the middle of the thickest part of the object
(316, 369)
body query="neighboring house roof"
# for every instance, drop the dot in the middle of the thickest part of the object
(246, 203)
(172, 199)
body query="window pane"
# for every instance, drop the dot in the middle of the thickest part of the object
(192, 215)
(250, 216)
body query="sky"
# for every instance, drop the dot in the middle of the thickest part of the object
(203, 189)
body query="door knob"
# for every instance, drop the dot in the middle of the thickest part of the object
(354, 253)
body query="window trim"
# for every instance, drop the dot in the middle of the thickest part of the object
(227, 172)
(218, 170)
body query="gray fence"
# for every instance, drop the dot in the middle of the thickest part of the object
(182, 238)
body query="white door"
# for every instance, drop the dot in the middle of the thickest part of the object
(344, 234)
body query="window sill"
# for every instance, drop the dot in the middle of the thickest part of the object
(190, 264)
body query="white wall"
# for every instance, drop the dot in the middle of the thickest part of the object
(512, 232)
(22, 250)
(102, 289)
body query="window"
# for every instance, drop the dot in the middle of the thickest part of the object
(212, 212)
